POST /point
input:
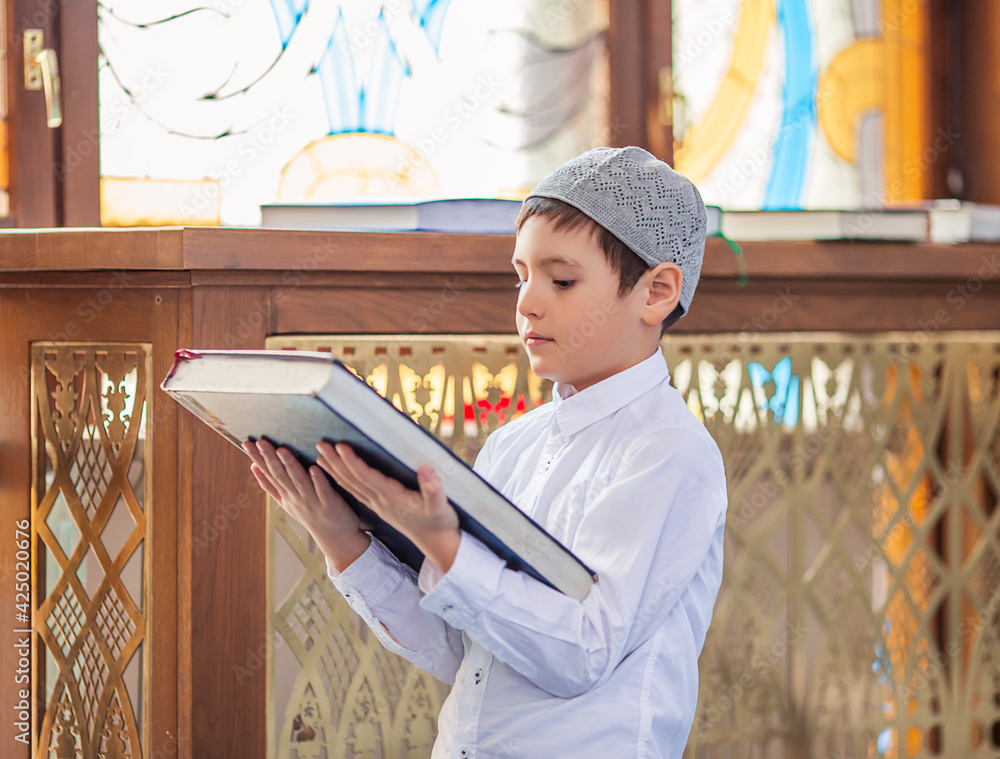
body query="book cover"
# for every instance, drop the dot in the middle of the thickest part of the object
(908, 225)
(462, 215)
(939, 221)
(298, 398)
(952, 221)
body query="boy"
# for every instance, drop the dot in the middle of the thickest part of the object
(608, 253)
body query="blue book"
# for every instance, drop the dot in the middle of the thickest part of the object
(298, 398)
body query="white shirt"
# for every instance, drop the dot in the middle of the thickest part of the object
(625, 476)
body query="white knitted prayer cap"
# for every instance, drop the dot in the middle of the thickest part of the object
(656, 212)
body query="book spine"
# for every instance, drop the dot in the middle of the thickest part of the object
(180, 356)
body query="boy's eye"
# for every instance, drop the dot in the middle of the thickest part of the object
(563, 283)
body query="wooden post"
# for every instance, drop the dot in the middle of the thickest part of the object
(980, 64)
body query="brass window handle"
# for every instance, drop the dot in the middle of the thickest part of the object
(41, 71)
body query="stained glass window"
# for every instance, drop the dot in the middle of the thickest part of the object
(209, 110)
(800, 103)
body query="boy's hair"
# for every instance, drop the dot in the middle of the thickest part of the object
(622, 259)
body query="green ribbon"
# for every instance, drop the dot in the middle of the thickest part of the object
(740, 261)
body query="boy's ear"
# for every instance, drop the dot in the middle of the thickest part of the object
(662, 292)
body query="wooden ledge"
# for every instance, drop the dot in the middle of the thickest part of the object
(287, 252)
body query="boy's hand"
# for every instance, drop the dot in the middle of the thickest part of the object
(311, 500)
(425, 517)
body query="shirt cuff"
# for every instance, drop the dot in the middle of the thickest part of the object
(375, 574)
(461, 593)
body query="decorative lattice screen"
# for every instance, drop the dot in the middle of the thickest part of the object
(858, 615)
(89, 519)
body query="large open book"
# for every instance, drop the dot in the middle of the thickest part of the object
(298, 398)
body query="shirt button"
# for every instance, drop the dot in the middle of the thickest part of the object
(478, 675)
(464, 752)
(446, 607)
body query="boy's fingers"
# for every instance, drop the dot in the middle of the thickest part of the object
(297, 474)
(326, 448)
(265, 483)
(327, 495)
(346, 477)
(431, 488)
(251, 451)
(275, 468)
(363, 473)
(383, 494)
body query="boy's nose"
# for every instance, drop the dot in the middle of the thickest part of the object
(529, 303)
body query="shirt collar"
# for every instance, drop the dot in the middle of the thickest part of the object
(574, 410)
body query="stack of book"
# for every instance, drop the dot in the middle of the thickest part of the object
(938, 221)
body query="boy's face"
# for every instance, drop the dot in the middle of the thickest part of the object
(573, 325)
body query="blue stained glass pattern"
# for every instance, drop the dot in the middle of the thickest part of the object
(340, 88)
(431, 15)
(381, 93)
(798, 119)
(339, 100)
(784, 402)
(287, 14)
(783, 104)
(369, 106)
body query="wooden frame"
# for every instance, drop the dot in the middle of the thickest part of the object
(639, 49)
(54, 173)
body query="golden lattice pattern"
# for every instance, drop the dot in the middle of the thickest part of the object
(859, 609)
(114, 622)
(87, 426)
(66, 619)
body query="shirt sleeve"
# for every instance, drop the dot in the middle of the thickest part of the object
(384, 593)
(653, 536)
